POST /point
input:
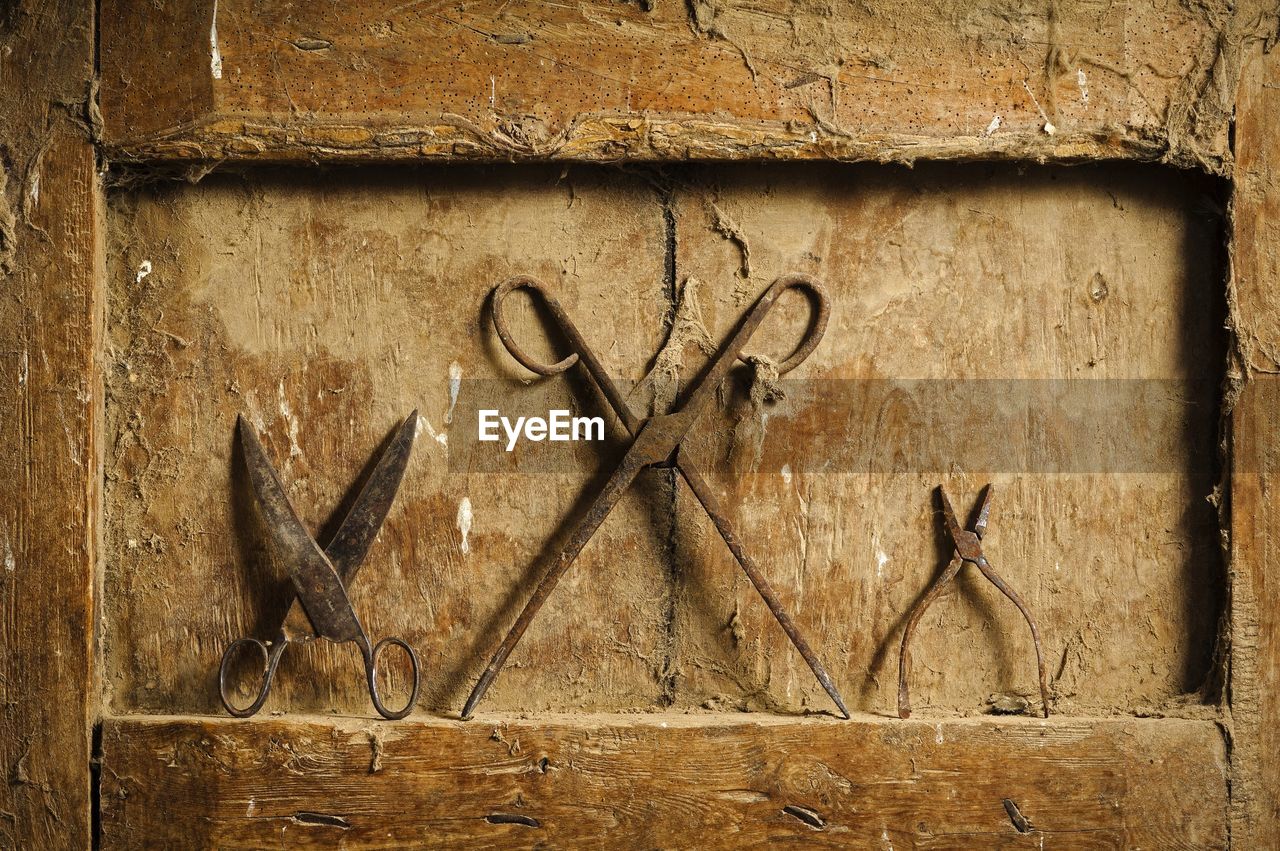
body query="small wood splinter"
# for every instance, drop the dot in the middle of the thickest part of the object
(968, 548)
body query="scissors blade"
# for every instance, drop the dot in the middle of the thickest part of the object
(351, 542)
(314, 578)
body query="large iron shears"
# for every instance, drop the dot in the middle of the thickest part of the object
(321, 608)
(656, 442)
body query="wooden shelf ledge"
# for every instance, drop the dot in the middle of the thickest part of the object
(662, 781)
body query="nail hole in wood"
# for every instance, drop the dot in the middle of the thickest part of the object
(512, 818)
(805, 815)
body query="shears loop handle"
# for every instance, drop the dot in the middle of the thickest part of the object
(818, 325)
(565, 324)
(371, 657)
(270, 660)
(581, 351)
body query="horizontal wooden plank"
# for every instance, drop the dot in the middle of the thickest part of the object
(876, 80)
(663, 781)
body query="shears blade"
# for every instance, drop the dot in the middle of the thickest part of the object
(360, 527)
(319, 588)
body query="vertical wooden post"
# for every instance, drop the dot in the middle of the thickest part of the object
(49, 396)
(1255, 499)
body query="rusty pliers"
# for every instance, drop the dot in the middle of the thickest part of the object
(656, 441)
(968, 548)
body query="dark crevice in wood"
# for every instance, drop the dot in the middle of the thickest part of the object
(95, 788)
(512, 818)
(805, 815)
(669, 486)
(322, 820)
(1016, 818)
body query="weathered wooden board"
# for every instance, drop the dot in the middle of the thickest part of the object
(50, 328)
(327, 307)
(1255, 544)
(659, 782)
(669, 80)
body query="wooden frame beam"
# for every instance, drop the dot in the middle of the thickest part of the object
(658, 781)
(385, 80)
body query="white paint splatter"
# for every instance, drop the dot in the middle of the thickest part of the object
(10, 564)
(24, 368)
(253, 805)
(937, 735)
(786, 473)
(455, 385)
(996, 121)
(215, 55)
(285, 411)
(1083, 83)
(882, 558)
(425, 425)
(144, 269)
(34, 191)
(1049, 128)
(493, 91)
(464, 524)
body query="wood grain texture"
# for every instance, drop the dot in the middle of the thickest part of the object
(1255, 542)
(50, 327)
(876, 80)
(735, 781)
(326, 308)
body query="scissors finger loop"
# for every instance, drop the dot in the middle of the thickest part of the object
(371, 671)
(819, 322)
(270, 658)
(500, 293)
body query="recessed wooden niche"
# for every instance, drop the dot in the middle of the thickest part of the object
(326, 305)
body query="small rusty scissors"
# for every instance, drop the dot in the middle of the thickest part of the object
(321, 608)
(968, 549)
(656, 441)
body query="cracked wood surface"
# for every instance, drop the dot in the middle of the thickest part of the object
(882, 80)
(49, 403)
(730, 781)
